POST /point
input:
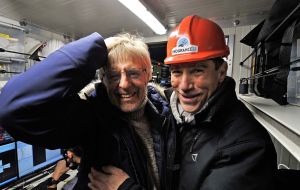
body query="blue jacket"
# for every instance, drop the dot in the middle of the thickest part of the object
(41, 107)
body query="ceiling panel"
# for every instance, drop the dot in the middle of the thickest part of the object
(108, 17)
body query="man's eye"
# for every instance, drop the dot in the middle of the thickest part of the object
(197, 71)
(113, 76)
(176, 72)
(133, 74)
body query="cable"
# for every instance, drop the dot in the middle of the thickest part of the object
(282, 166)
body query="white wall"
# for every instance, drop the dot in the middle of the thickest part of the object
(241, 51)
(23, 39)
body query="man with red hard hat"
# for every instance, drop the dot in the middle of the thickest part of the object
(220, 145)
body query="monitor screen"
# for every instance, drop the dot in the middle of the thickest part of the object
(32, 158)
(8, 163)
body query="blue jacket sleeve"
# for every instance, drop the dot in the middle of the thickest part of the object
(41, 104)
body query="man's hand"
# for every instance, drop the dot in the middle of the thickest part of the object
(110, 179)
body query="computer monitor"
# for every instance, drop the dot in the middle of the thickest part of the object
(8, 164)
(33, 158)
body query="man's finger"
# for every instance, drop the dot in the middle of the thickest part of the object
(92, 187)
(98, 174)
(110, 169)
(95, 182)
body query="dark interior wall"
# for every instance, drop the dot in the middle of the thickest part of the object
(158, 51)
(161, 74)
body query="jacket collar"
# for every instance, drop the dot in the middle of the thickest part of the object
(217, 105)
(157, 101)
(157, 107)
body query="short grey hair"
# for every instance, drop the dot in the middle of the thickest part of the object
(127, 47)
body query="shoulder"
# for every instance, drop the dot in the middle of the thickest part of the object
(154, 88)
(240, 125)
(157, 98)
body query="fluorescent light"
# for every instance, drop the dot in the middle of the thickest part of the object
(140, 11)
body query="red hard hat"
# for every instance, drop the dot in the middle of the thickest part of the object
(195, 39)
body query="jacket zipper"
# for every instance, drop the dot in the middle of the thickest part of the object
(194, 142)
(162, 160)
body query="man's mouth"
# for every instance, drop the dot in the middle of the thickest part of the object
(126, 96)
(189, 96)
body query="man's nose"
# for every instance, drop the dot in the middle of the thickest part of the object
(186, 82)
(124, 80)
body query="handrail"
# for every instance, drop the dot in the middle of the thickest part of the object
(2, 71)
(4, 50)
(266, 73)
(242, 62)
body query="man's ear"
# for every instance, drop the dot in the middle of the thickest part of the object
(222, 72)
(150, 75)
